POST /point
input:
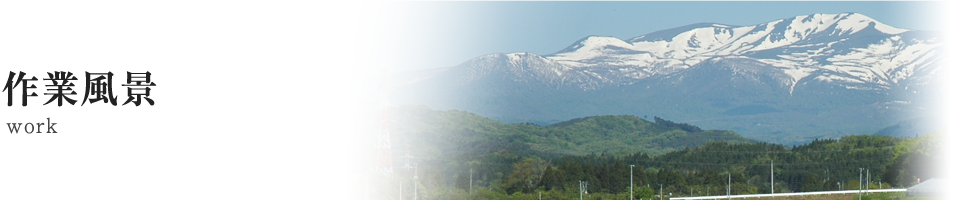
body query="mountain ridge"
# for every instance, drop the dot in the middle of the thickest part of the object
(451, 132)
(812, 69)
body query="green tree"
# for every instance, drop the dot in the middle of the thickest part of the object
(920, 158)
(936, 145)
(551, 179)
(463, 181)
(432, 178)
(525, 176)
(810, 182)
(643, 192)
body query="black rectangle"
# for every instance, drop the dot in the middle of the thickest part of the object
(31, 125)
(79, 88)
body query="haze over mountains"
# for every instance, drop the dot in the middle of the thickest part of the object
(788, 81)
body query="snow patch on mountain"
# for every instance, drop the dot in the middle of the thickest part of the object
(856, 22)
(815, 69)
(847, 48)
(887, 62)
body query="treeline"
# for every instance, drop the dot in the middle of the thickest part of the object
(433, 134)
(822, 165)
(920, 159)
(682, 126)
(825, 164)
(456, 151)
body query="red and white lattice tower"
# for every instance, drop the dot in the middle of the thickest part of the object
(382, 155)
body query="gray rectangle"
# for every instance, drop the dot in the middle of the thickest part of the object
(31, 125)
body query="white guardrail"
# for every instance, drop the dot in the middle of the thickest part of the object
(788, 194)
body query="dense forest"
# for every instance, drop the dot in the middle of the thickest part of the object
(812, 167)
(460, 155)
(817, 166)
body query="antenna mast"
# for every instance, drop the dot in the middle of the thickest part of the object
(382, 155)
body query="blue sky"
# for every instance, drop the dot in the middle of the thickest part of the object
(442, 34)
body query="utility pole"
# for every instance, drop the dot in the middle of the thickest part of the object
(631, 182)
(860, 185)
(661, 191)
(838, 185)
(771, 176)
(581, 190)
(407, 156)
(728, 186)
(471, 182)
(868, 181)
(415, 181)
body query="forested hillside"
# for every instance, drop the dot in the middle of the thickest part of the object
(432, 134)
(452, 149)
(818, 166)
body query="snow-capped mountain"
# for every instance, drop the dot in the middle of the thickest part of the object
(850, 49)
(836, 61)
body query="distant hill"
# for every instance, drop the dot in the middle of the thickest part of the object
(430, 133)
(913, 127)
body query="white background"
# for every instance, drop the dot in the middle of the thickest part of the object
(253, 100)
